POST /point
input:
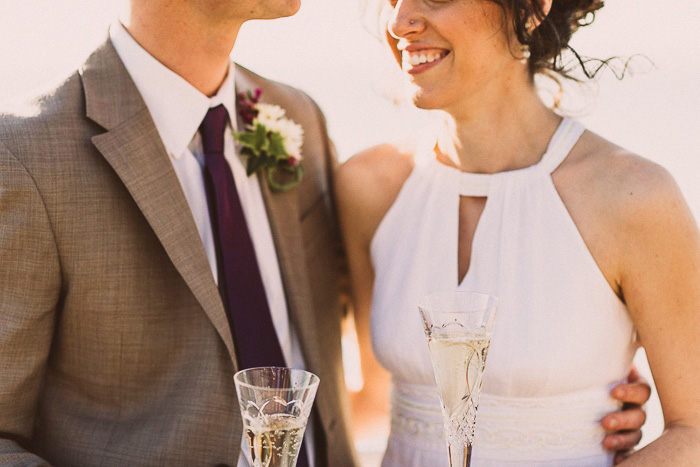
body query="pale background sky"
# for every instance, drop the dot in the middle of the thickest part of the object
(325, 51)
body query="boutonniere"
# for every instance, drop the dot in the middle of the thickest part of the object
(271, 142)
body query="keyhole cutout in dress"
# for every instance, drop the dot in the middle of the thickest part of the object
(470, 210)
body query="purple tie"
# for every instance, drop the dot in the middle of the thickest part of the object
(240, 284)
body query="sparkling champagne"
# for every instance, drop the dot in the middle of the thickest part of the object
(458, 362)
(275, 441)
(458, 326)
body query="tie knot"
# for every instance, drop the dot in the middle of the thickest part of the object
(212, 130)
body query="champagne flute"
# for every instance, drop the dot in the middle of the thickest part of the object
(458, 326)
(275, 405)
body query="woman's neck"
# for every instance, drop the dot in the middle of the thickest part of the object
(507, 132)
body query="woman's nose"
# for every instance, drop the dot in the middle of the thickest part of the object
(405, 19)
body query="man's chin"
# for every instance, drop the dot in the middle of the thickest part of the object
(274, 9)
(280, 14)
(289, 8)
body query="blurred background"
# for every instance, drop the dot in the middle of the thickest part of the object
(327, 51)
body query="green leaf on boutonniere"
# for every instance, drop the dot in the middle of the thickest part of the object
(253, 164)
(254, 139)
(276, 146)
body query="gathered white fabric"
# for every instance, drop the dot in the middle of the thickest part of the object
(557, 430)
(561, 339)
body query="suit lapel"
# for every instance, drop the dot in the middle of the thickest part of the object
(284, 217)
(135, 151)
(283, 214)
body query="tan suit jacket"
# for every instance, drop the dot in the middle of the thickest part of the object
(114, 346)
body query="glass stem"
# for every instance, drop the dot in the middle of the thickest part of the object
(460, 454)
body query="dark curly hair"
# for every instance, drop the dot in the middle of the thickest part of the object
(549, 41)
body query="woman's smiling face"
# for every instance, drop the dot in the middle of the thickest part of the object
(452, 50)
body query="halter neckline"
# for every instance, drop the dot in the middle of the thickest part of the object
(478, 184)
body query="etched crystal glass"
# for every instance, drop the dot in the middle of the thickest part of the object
(458, 326)
(275, 405)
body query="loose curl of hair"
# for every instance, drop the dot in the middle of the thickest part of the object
(550, 39)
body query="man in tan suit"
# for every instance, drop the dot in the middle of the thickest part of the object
(115, 345)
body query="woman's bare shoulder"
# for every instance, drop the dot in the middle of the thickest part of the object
(381, 167)
(624, 183)
(622, 203)
(368, 183)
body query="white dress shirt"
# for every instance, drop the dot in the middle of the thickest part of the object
(177, 109)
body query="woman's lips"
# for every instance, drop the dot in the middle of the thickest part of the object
(417, 61)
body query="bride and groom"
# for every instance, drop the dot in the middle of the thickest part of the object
(120, 329)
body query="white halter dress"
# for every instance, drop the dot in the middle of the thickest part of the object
(562, 338)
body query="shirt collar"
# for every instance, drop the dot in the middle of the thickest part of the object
(177, 107)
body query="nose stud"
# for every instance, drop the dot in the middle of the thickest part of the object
(413, 21)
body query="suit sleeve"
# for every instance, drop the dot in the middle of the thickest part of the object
(29, 291)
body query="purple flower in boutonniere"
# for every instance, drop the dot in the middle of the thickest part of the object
(270, 142)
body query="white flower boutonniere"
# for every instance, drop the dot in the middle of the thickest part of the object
(271, 142)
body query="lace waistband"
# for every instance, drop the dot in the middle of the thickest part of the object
(561, 426)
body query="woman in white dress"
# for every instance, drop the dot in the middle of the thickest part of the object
(591, 250)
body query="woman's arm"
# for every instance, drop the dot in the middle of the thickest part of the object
(659, 276)
(365, 187)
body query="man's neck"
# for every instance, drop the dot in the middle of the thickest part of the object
(184, 43)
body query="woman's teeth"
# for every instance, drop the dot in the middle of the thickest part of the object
(418, 58)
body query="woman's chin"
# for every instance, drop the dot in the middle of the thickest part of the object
(424, 101)
(426, 97)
